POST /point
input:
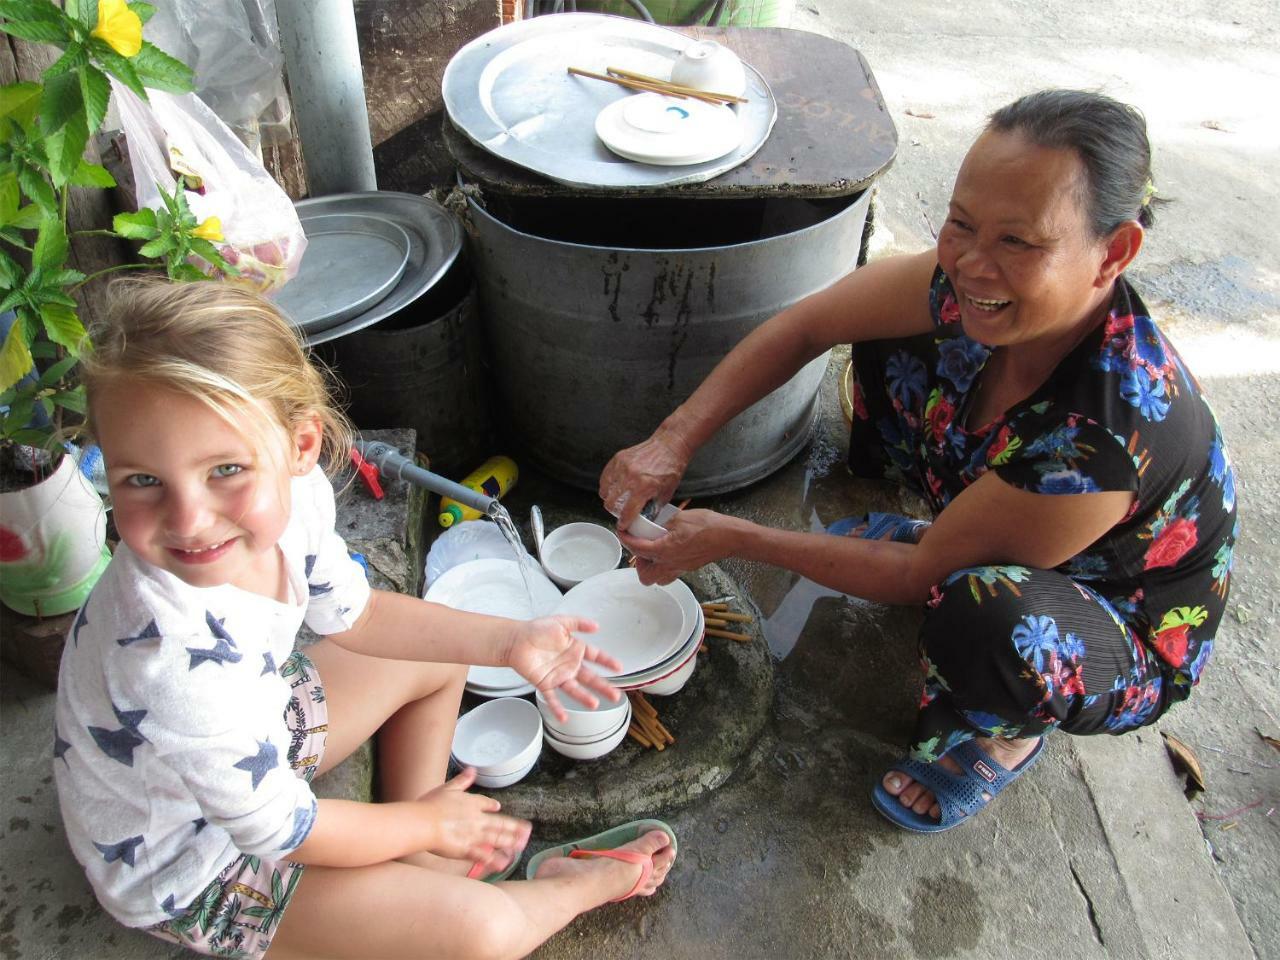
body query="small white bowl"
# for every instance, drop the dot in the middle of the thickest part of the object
(706, 65)
(554, 734)
(647, 529)
(499, 737)
(587, 751)
(583, 722)
(506, 780)
(576, 551)
(673, 682)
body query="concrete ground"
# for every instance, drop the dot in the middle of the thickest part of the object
(1098, 854)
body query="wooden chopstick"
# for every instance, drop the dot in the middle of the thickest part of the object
(740, 637)
(689, 91)
(633, 84)
(735, 617)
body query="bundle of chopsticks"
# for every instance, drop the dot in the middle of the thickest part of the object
(641, 82)
(646, 729)
(719, 618)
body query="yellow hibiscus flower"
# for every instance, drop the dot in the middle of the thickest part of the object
(210, 229)
(119, 27)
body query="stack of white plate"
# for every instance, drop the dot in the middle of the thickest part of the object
(655, 631)
(495, 587)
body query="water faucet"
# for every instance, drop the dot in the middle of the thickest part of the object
(392, 463)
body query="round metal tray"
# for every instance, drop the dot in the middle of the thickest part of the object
(435, 240)
(510, 92)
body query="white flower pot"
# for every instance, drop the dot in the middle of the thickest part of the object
(52, 543)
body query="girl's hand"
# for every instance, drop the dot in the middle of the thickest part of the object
(467, 826)
(548, 654)
(650, 470)
(693, 539)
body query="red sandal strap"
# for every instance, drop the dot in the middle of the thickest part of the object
(629, 856)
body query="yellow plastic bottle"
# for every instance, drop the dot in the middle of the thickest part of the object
(493, 478)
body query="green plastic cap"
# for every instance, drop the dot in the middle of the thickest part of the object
(450, 515)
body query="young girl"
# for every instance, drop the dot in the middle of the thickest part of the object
(188, 728)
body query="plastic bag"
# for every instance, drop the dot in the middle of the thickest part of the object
(234, 48)
(262, 236)
(469, 540)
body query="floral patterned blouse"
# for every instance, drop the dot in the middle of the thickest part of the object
(1120, 412)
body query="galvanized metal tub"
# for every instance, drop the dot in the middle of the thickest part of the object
(593, 345)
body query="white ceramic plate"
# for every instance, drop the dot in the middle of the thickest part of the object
(639, 625)
(495, 587)
(651, 128)
(658, 670)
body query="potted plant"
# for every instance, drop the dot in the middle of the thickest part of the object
(52, 532)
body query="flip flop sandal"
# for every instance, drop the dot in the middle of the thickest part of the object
(477, 872)
(604, 845)
(959, 796)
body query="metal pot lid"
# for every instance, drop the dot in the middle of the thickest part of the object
(435, 240)
(351, 263)
(509, 92)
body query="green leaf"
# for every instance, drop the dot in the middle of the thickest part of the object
(185, 271)
(71, 399)
(44, 350)
(10, 196)
(157, 247)
(41, 22)
(20, 101)
(144, 11)
(10, 273)
(51, 244)
(61, 102)
(157, 69)
(66, 149)
(27, 218)
(86, 11)
(116, 65)
(37, 188)
(136, 226)
(20, 411)
(56, 372)
(91, 175)
(29, 438)
(63, 326)
(61, 278)
(74, 58)
(95, 90)
(15, 358)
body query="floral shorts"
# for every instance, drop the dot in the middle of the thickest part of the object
(236, 914)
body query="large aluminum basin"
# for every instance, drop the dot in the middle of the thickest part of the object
(593, 345)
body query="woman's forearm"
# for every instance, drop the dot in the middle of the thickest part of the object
(881, 571)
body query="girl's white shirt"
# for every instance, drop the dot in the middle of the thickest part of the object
(170, 743)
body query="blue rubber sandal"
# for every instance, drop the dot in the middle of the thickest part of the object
(958, 795)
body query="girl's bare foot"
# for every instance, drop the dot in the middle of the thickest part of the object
(616, 877)
(1007, 753)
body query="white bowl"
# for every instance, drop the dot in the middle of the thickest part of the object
(498, 737)
(506, 780)
(548, 730)
(706, 65)
(647, 529)
(586, 751)
(639, 625)
(673, 682)
(576, 551)
(583, 722)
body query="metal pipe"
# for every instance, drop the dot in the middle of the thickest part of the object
(322, 53)
(392, 463)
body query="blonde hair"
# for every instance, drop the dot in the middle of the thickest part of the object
(225, 346)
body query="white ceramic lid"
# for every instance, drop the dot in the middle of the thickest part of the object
(652, 128)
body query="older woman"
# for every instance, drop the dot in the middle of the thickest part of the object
(1079, 559)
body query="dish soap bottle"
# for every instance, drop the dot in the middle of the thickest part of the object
(493, 478)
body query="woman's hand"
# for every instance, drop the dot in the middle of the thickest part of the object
(467, 826)
(693, 539)
(650, 470)
(548, 653)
